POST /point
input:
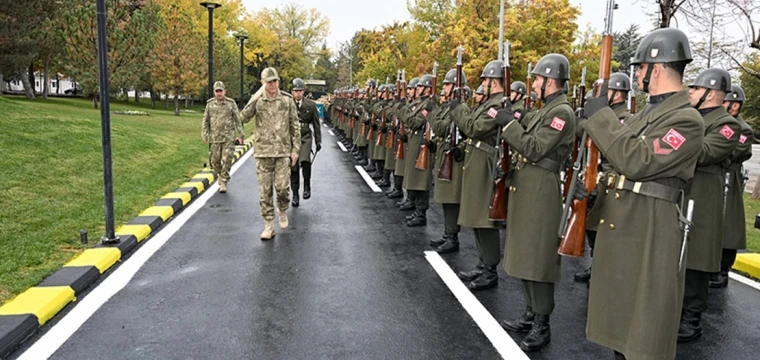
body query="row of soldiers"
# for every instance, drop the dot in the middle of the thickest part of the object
(650, 281)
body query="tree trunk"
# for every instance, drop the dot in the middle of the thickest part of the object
(756, 190)
(57, 83)
(166, 105)
(126, 94)
(27, 86)
(176, 104)
(31, 78)
(95, 101)
(137, 95)
(2, 84)
(45, 79)
(187, 101)
(152, 99)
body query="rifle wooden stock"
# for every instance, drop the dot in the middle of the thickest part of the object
(400, 146)
(570, 172)
(573, 242)
(498, 208)
(633, 103)
(445, 173)
(447, 167)
(423, 157)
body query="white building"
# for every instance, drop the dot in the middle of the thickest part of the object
(54, 86)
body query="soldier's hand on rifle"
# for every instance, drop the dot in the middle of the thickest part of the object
(596, 103)
(404, 138)
(319, 146)
(580, 190)
(432, 145)
(457, 153)
(454, 103)
(503, 117)
(374, 127)
(384, 130)
(505, 103)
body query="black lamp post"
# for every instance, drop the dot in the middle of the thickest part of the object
(242, 38)
(210, 6)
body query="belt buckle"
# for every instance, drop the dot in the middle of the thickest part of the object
(477, 145)
(611, 181)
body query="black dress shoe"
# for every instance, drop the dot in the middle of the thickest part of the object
(412, 216)
(406, 207)
(719, 279)
(488, 279)
(306, 193)
(376, 175)
(295, 202)
(420, 220)
(583, 276)
(691, 326)
(396, 194)
(384, 183)
(363, 162)
(539, 336)
(449, 246)
(522, 324)
(470, 275)
(440, 241)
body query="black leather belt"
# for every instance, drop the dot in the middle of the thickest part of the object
(546, 164)
(736, 166)
(712, 169)
(646, 188)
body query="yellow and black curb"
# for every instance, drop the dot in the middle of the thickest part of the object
(23, 315)
(748, 263)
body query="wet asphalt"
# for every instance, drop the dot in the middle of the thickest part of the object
(346, 280)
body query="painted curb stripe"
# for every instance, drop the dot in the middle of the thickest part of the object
(79, 278)
(154, 222)
(748, 263)
(139, 231)
(14, 330)
(196, 184)
(193, 191)
(125, 246)
(164, 212)
(43, 302)
(185, 197)
(208, 176)
(101, 258)
(175, 204)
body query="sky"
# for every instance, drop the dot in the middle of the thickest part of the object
(348, 16)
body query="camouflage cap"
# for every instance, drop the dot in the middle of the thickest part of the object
(218, 86)
(269, 74)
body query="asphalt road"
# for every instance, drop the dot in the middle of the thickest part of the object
(346, 280)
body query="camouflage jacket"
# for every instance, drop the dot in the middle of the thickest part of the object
(221, 121)
(277, 131)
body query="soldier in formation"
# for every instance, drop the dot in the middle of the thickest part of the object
(221, 121)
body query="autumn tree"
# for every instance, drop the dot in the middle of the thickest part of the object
(325, 69)
(625, 44)
(176, 67)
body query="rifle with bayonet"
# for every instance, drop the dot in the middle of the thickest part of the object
(384, 97)
(402, 127)
(423, 157)
(576, 144)
(498, 209)
(392, 132)
(447, 166)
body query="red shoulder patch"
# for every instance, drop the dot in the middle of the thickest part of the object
(492, 112)
(727, 132)
(517, 115)
(558, 124)
(424, 112)
(674, 139)
(742, 139)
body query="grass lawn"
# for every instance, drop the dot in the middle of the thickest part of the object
(52, 178)
(752, 208)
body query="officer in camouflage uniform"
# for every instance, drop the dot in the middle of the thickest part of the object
(734, 228)
(722, 133)
(221, 121)
(417, 181)
(636, 293)
(478, 172)
(308, 115)
(277, 142)
(534, 207)
(619, 86)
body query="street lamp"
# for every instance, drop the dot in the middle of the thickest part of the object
(105, 122)
(210, 6)
(242, 38)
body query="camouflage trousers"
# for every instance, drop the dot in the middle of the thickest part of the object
(277, 170)
(221, 159)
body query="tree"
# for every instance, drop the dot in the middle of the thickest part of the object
(625, 44)
(325, 69)
(175, 66)
(431, 15)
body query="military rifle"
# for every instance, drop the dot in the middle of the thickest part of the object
(528, 84)
(392, 132)
(574, 156)
(498, 208)
(632, 93)
(402, 127)
(574, 102)
(423, 157)
(447, 166)
(574, 234)
(379, 141)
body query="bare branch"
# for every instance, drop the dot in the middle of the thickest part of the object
(744, 68)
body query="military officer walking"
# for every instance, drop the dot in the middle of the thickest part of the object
(277, 140)
(617, 93)
(535, 199)
(722, 133)
(477, 176)
(311, 131)
(734, 228)
(221, 121)
(636, 293)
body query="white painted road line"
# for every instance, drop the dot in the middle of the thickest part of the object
(342, 148)
(48, 344)
(367, 179)
(744, 280)
(499, 338)
(331, 133)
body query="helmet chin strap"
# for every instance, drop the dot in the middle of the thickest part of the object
(702, 99)
(488, 89)
(646, 78)
(543, 89)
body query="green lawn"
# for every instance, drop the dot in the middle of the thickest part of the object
(752, 208)
(51, 185)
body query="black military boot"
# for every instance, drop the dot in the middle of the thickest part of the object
(396, 194)
(295, 201)
(407, 206)
(488, 279)
(451, 245)
(306, 192)
(539, 336)
(619, 356)
(383, 183)
(419, 220)
(691, 326)
(522, 324)
(470, 275)
(412, 216)
(719, 279)
(583, 276)
(371, 167)
(442, 240)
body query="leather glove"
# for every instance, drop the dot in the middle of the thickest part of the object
(503, 117)
(384, 130)
(366, 122)
(403, 101)
(453, 104)
(432, 146)
(405, 138)
(374, 127)
(458, 154)
(596, 103)
(580, 190)
(505, 103)
(319, 146)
